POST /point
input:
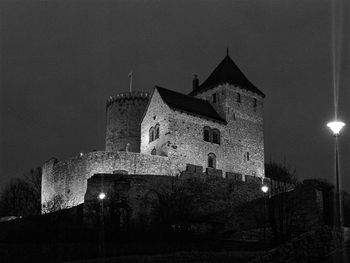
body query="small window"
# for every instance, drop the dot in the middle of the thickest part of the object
(211, 160)
(151, 134)
(214, 98)
(154, 151)
(255, 102)
(238, 97)
(247, 156)
(206, 134)
(216, 136)
(157, 131)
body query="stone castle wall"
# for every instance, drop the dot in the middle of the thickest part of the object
(68, 178)
(123, 115)
(181, 134)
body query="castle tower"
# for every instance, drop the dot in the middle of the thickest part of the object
(123, 115)
(240, 104)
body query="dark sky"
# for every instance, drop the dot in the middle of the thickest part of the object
(61, 60)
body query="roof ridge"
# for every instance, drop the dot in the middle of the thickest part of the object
(173, 91)
(186, 103)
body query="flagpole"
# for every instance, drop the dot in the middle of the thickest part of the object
(130, 77)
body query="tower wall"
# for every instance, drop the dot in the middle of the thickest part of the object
(123, 115)
(244, 130)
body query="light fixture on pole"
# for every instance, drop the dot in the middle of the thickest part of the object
(265, 189)
(102, 196)
(336, 127)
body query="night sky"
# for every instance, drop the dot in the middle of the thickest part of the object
(61, 60)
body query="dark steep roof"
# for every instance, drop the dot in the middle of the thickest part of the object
(189, 104)
(227, 72)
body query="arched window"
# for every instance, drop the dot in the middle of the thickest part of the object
(151, 134)
(157, 131)
(216, 136)
(154, 151)
(206, 134)
(211, 160)
(246, 156)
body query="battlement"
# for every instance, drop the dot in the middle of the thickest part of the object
(134, 95)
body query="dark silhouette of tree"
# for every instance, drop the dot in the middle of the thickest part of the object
(21, 197)
(181, 203)
(281, 205)
(55, 204)
(280, 172)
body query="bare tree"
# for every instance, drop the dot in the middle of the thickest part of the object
(282, 204)
(21, 197)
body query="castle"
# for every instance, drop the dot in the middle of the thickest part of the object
(219, 126)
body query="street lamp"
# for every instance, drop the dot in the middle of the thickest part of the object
(101, 197)
(265, 189)
(335, 127)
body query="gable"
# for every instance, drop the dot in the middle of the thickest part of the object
(155, 105)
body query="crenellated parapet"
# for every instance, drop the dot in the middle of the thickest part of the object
(123, 96)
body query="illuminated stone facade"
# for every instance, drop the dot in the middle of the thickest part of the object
(181, 134)
(218, 126)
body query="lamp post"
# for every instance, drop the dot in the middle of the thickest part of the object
(265, 190)
(335, 127)
(101, 197)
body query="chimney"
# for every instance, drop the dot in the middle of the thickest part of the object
(195, 82)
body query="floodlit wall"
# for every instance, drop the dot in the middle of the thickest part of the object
(67, 179)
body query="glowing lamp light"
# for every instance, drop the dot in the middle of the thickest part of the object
(265, 188)
(335, 126)
(102, 196)
(81, 154)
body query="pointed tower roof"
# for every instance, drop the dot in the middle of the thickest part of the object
(227, 72)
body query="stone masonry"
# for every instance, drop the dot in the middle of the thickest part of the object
(226, 103)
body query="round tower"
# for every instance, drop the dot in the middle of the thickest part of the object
(123, 113)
